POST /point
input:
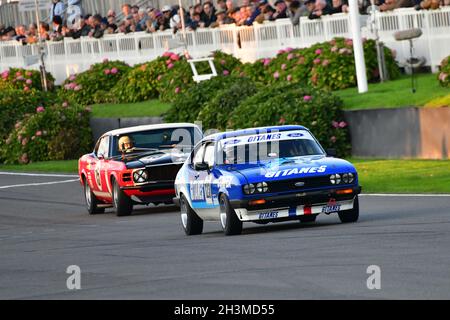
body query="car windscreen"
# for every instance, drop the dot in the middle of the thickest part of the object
(183, 138)
(265, 150)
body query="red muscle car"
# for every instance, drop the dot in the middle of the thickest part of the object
(135, 165)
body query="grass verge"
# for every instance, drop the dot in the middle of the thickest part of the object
(392, 94)
(67, 166)
(150, 108)
(403, 176)
(375, 176)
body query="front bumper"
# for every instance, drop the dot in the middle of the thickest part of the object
(285, 207)
(155, 191)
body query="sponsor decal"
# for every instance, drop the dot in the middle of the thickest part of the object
(268, 215)
(331, 206)
(235, 141)
(197, 191)
(264, 137)
(294, 171)
(295, 135)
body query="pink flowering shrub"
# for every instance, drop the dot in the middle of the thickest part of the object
(444, 73)
(51, 133)
(14, 105)
(328, 65)
(22, 79)
(92, 86)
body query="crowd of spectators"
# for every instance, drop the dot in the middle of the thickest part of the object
(200, 15)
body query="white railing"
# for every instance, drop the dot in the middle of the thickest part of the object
(247, 43)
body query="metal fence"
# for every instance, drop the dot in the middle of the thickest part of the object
(247, 43)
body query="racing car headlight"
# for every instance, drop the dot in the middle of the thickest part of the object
(140, 176)
(345, 177)
(262, 187)
(249, 188)
(335, 179)
(351, 177)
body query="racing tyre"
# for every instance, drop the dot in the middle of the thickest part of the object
(230, 222)
(192, 223)
(122, 203)
(91, 201)
(350, 215)
(308, 218)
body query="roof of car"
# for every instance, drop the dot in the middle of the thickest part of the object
(121, 131)
(252, 131)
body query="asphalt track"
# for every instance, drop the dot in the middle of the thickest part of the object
(44, 228)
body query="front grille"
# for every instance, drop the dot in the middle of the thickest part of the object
(309, 183)
(163, 172)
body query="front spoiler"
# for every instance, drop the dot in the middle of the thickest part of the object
(296, 199)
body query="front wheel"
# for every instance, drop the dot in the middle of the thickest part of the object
(92, 202)
(192, 223)
(351, 215)
(231, 224)
(122, 203)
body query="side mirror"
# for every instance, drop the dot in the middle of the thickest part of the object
(331, 152)
(201, 166)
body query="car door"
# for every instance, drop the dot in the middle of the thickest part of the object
(97, 168)
(196, 177)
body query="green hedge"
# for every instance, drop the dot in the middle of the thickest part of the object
(316, 109)
(328, 65)
(93, 86)
(444, 73)
(58, 132)
(23, 79)
(14, 104)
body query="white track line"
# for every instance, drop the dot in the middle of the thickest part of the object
(38, 184)
(37, 174)
(403, 195)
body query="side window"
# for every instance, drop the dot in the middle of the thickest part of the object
(198, 154)
(103, 147)
(209, 154)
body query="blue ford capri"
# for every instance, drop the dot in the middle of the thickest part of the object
(262, 175)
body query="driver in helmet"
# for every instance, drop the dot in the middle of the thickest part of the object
(126, 144)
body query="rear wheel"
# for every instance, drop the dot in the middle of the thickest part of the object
(307, 218)
(91, 201)
(122, 203)
(231, 224)
(351, 215)
(192, 223)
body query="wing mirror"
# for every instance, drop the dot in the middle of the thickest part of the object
(331, 152)
(201, 166)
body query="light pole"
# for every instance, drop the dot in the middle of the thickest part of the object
(361, 75)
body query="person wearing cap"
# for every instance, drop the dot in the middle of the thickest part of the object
(222, 19)
(297, 10)
(280, 11)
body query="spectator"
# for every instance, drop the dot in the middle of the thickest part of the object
(82, 30)
(297, 10)
(57, 24)
(20, 33)
(134, 9)
(143, 17)
(321, 8)
(44, 30)
(280, 11)
(389, 5)
(230, 5)
(196, 22)
(339, 6)
(96, 30)
(222, 5)
(222, 19)
(161, 23)
(126, 11)
(32, 33)
(208, 15)
(58, 8)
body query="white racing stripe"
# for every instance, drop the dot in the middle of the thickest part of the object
(404, 195)
(38, 184)
(37, 174)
